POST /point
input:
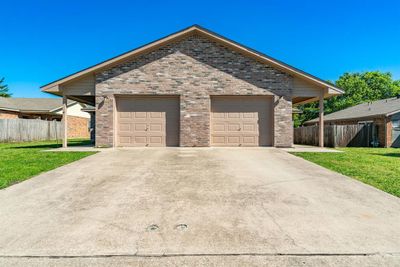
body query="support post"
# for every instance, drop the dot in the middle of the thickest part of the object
(321, 120)
(65, 123)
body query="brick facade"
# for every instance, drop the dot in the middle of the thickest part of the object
(283, 131)
(78, 127)
(8, 115)
(193, 68)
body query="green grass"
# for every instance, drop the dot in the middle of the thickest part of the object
(379, 167)
(21, 161)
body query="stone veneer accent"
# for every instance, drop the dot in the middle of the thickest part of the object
(193, 68)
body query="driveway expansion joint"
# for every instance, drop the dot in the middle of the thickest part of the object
(205, 255)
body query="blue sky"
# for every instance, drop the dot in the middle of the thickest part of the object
(41, 41)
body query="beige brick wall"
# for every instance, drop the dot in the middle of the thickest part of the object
(8, 115)
(193, 68)
(78, 127)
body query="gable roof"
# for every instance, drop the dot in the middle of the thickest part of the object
(385, 107)
(32, 104)
(195, 29)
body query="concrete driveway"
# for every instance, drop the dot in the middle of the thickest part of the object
(200, 206)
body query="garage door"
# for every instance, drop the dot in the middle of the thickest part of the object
(148, 121)
(241, 121)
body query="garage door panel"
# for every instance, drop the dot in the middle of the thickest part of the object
(218, 115)
(156, 140)
(154, 121)
(233, 127)
(139, 127)
(233, 115)
(156, 127)
(125, 139)
(125, 127)
(233, 140)
(218, 127)
(140, 140)
(246, 120)
(140, 115)
(124, 115)
(250, 127)
(250, 140)
(157, 114)
(249, 115)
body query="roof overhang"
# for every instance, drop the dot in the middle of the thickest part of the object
(37, 111)
(9, 109)
(392, 113)
(56, 86)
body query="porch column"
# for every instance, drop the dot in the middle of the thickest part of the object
(321, 120)
(64, 122)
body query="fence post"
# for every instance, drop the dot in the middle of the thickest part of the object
(334, 135)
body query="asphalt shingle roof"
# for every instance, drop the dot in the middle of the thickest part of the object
(364, 110)
(31, 104)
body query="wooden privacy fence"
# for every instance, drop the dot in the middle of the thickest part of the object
(15, 130)
(357, 135)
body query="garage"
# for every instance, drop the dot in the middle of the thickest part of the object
(148, 121)
(241, 121)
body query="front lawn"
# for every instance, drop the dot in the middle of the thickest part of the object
(20, 161)
(379, 167)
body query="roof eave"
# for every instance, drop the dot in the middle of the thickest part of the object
(9, 109)
(392, 112)
(61, 107)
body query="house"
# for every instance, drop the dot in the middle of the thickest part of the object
(384, 115)
(193, 88)
(48, 109)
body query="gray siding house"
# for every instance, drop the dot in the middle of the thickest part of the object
(193, 88)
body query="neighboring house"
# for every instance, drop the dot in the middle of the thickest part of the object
(192, 88)
(384, 115)
(47, 109)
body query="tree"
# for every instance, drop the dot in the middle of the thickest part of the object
(4, 89)
(359, 88)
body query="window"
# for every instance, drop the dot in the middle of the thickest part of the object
(396, 124)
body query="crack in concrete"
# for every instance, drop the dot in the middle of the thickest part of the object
(281, 229)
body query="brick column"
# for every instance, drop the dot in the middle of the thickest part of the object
(283, 125)
(195, 120)
(104, 121)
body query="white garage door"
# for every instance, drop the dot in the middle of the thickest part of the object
(241, 121)
(148, 121)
